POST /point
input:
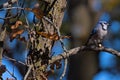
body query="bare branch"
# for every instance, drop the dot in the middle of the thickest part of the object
(65, 69)
(11, 59)
(110, 50)
(11, 74)
(75, 50)
(63, 55)
(28, 72)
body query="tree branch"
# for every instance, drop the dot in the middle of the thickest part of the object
(14, 60)
(110, 50)
(63, 55)
(75, 50)
(2, 36)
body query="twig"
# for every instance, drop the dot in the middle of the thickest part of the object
(11, 74)
(26, 19)
(66, 60)
(28, 72)
(65, 69)
(48, 20)
(12, 8)
(11, 59)
(63, 55)
(110, 50)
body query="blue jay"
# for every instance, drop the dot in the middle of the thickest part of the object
(98, 33)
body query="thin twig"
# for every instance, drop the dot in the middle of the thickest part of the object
(28, 72)
(11, 74)
(11, 59)
(65, 69)
(9, 8)
(66, 60)
(26, 18)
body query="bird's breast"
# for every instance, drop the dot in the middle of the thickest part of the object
(102, 33)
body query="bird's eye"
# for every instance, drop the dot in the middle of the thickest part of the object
(106, 23)
(101, 24)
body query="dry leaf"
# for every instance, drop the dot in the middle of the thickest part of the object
(53, 36)
(37, 11)
(14, 34)
(16, 25)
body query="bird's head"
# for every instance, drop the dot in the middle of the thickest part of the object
(104, 24)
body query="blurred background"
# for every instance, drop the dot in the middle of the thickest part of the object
(82, 17)
(79, 19)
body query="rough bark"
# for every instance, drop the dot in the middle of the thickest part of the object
(57, 14)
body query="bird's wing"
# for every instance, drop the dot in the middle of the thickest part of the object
(94, 31)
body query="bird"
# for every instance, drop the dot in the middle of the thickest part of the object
(98, 33)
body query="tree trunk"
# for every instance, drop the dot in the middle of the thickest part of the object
(56, 15)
